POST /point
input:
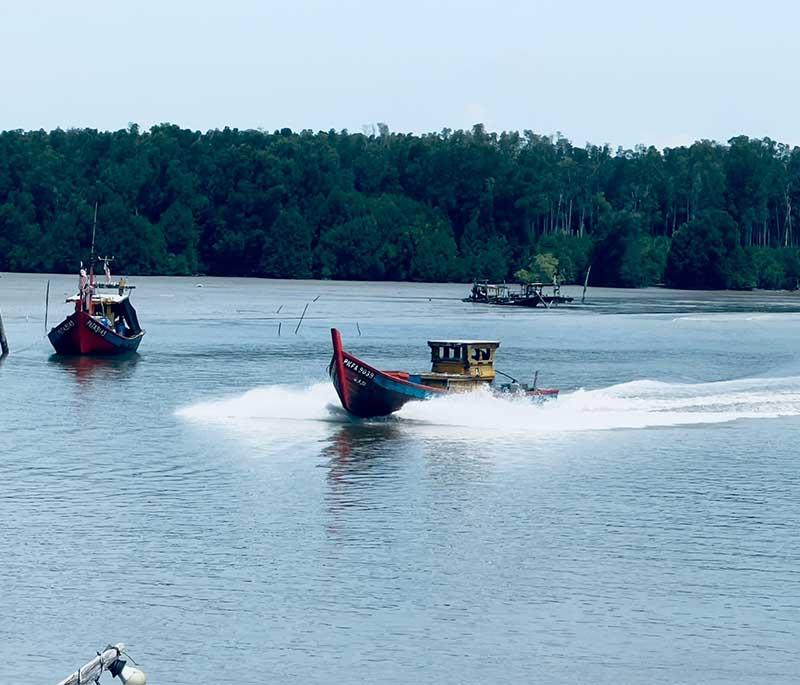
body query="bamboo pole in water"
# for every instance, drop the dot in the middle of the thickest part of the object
(90, 672)
(302, 316)
(544, 302)
(586, 283)
(46, 304)
(3, 340)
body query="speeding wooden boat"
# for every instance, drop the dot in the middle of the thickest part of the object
(456, 366)
(104, 321)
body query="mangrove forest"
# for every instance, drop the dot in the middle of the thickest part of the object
(448, 206)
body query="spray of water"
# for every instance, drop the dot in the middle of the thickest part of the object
(275, 402)
(637, 404)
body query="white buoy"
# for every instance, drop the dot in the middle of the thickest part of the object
(127, 674)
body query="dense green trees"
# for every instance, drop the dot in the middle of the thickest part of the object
(455, 205)
(705, 253)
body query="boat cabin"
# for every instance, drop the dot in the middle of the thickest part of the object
(110, 305)
(461, 363)
(537, 289)
(489, 292)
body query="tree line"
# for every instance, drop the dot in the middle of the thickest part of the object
(447, 206)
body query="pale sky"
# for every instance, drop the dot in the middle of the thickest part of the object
(621, 71)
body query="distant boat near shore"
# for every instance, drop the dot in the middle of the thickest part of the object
(519, 295)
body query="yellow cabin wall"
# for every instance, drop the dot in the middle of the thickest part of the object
(466, 365)
(448, 367)
(483, 370)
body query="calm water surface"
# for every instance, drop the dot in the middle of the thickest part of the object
(207, 503)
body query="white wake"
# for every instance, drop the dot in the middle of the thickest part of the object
(637, 404)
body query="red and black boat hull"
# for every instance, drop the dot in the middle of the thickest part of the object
(80, 333)
(367, 392)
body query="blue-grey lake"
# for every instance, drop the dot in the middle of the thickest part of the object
(208, 503)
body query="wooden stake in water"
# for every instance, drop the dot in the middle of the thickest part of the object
(46, 304)
(302, 316)
(586, 283)
(3, 340)
(544, 302)
(359, 329)
(279, 328)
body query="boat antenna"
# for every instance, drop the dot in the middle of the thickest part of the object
(513, 380)
(94, 229)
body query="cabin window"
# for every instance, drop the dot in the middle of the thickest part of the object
(451, 353)
(481, 354)
(448, 353)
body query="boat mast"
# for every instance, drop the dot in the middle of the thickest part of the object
(91, 252)
(91, 264)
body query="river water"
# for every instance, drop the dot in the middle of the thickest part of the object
(209, 504)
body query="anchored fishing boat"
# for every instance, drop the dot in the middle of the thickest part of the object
(522, 295)
(456, 366)
(104, 321)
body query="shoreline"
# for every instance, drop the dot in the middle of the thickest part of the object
(465, 284)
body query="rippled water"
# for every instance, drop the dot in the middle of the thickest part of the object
(209, 504)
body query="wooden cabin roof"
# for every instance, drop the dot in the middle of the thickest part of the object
(476, 343)
(102, 297)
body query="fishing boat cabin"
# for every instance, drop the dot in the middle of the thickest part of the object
(110, 305)
(489, 293)
(460, 364)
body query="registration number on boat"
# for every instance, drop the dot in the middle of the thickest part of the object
(96, 327)
(358, 369)
(67, 325)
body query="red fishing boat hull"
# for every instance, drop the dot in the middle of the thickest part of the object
(80, 333)
(367, 392)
